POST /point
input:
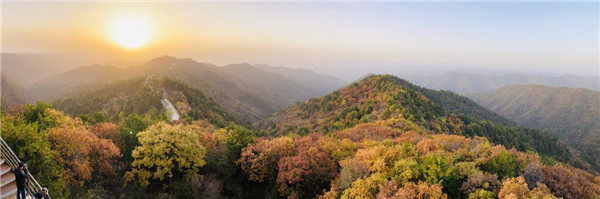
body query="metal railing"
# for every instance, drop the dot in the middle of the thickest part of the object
(12, 159)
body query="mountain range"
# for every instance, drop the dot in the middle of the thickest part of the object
(253, 92)
(261, 133)
(465, 83)
(572, 114)
(244, 90)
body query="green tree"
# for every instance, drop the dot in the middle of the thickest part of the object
(237, 137)
(99, 117)
(482, 194)
(504, 164)
(130, 126)
(435, 169)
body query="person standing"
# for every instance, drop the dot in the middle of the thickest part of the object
(21, 176)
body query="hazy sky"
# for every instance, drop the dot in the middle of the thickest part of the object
(548, 38)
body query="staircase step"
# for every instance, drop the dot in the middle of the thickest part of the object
(8, 190)
(4, 168)
(6, 179)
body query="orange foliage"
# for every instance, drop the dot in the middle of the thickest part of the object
(390, 190)
(428, 145)
(108, 131)
(571, 183)
(260, 160)
(83, 154)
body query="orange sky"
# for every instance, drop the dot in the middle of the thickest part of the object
(327, 37)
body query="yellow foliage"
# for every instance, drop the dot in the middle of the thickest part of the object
(164, 149)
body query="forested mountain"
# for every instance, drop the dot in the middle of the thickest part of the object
(142, 96)
(459, 104)
(389, 101)
(377, 138)
(12, 93)
(572, 114)
(245, 97)
(465, 83)
(322, 84)
(246, 101)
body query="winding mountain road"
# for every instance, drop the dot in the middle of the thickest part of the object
(171, 111)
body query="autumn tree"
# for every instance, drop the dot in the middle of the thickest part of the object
(352, 170)
(533, 173)
(571, 183)
(83, 154)
(390, 190)
(166, 153)
(516, 188)
(481, 181)
(108, 131)
(308, 172)
(365, 188)
(482, 194)
(260, 160)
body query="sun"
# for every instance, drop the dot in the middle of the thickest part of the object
(130, 32)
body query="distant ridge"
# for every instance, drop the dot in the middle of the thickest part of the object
(322, 84)
(465, 83)
(251, 94)
(28, 68)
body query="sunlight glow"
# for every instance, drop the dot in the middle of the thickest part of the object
(130, 32)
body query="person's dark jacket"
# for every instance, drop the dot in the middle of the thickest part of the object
(21, 177)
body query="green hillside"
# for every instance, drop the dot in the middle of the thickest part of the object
(571, 114)
(384, 99)
(140, 96)
(459, 104)
(12, 93)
